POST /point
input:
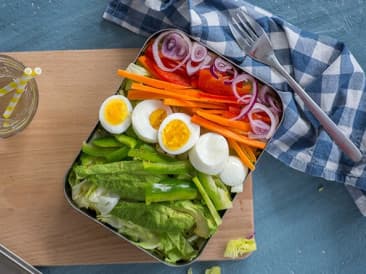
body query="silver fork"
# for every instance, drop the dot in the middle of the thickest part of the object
(252, 38)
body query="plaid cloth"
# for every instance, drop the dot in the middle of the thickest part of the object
(323, 66)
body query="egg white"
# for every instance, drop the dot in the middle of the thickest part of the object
(141, 122)
(120, 127)
(210, 153)
(193, 129)
(234, 172)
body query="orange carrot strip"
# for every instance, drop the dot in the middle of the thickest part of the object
(250, 153)
(212, 111)
(134, 94)
(227, 132)
(149, 81)
(191, 95)
(238, 131)
(242, 155)
(180, 92)
(191, 104)
(224, 121)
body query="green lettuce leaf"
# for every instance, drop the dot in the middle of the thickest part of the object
(88, 195)
(157, 217)
(204, 224)
(127, 186)
(172, 246)
(141, 236)
(176, 248)
(213, 270)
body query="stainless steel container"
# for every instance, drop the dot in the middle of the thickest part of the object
(10, 263)
(91, 214)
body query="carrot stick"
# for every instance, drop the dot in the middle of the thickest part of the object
(250, 153)
(212, 111)
(180, 92)
(134, 94)
(191, 104)
(227, 132)
(242, 155)
(149, 81)
(191, 94)
(224, 121)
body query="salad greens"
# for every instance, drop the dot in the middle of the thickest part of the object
(149, 197)
(216, 190)
(156, 217)
(157, 201)
(238, 247)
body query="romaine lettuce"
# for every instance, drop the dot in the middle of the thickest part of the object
(204, 224)
(88, 195)
(157, 217)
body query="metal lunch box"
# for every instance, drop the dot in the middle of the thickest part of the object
(10, 263)
(91, 214)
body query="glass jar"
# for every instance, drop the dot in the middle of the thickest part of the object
(23, 113)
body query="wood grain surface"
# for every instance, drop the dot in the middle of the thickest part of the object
(36, 222)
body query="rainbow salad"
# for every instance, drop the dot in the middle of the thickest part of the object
(173, 146)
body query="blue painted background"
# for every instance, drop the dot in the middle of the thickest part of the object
(299, 229)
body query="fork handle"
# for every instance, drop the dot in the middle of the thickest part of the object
(344, 143)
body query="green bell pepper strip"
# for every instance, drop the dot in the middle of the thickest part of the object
(170, 189)
(86, 159)
(95, 151)
(106, 142)
(126, 140)
(177, 167)
(118, 154)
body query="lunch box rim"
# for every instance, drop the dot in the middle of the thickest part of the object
(67, 187)
(15, 259)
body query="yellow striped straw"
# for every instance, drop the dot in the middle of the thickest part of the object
(21, 84)
(9, 87)
(27, 74)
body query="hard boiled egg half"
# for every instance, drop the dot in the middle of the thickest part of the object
(177, 134)
(147, 117)
(234, 172)
(115, 114)
(210, 153)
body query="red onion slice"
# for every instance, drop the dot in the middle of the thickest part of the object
(191, 69)
(173, 47)
(259, 132)
(258, 126)
(253, 95)
(229, 81)
(222, 65)
(267, 97)
(198, 53)
(243, 78)
(182, 48)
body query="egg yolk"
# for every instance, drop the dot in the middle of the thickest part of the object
(156, 117)
(115, 112)
(175, 134)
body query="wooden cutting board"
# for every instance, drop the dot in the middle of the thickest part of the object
(36, 222)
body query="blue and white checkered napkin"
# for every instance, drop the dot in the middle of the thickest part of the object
(323, 66)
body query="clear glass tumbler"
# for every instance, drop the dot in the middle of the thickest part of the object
(11, 69)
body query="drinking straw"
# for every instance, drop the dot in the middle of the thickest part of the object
(27, 74)
(9, 87)
(21, 84)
